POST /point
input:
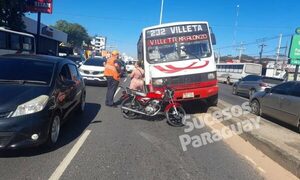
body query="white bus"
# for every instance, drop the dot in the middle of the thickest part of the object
(181, 54)
(232, 72)
(13, 42)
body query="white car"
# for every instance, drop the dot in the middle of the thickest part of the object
(92, 70)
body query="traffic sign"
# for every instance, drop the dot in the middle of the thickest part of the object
(294, 53)
(295, 61)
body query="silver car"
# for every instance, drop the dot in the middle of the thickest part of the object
(281, 102)
(253, 83)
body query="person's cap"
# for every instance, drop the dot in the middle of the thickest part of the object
(115, 52)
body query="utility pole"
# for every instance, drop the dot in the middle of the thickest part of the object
(241, 49)
(261, 52)
(278, 54)
(161, 11)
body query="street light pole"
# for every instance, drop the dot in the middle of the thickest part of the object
(161, 11)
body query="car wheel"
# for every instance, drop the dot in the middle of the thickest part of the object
(255, 107)
(251, 92)
(82, 104)
(54, 130)
(234, 90)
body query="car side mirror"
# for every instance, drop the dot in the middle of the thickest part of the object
(268, 90)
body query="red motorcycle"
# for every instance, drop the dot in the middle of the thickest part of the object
(152, 103)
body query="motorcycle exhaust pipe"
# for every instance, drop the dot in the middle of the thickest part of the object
(132, 110)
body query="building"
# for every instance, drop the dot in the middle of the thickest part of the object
(50, 38)
(99, 43)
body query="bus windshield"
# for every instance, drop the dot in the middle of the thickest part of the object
(167, 44)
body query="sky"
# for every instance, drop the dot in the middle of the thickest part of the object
(250, 22)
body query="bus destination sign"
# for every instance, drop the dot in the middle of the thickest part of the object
(177, 30)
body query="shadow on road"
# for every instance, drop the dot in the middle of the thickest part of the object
(194, 107)
(70, 131)
(281, 123)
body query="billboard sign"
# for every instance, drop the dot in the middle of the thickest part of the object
(43, 6)
(294, 53)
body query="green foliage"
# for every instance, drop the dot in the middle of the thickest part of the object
(76, 32)
(11, 13)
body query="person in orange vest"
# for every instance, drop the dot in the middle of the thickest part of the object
(111, 72)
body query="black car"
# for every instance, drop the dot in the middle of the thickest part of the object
(37, 95)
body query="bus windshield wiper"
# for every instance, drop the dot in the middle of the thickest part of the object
(21, 81)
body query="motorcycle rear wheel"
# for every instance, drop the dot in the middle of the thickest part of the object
(129, 103)
(174, 118)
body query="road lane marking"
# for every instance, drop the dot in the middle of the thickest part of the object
(125, 80)
(250, 160)
(261, 170)
(65, 163)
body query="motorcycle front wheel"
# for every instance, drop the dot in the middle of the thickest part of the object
(129, 103)
(176, 116)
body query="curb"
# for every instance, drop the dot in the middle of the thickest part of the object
(280, 156)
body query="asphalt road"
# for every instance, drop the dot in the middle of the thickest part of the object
(225, 94)
(117, 148)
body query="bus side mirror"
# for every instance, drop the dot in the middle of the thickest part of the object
(213, 39)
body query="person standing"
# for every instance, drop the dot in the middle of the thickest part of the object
(137, 78)
(111, 72)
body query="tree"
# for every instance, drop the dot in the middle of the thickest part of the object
(11, 13)
(77, 34)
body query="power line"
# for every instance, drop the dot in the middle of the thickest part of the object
(257, 41)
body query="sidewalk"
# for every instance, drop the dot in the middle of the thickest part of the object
(279, 143)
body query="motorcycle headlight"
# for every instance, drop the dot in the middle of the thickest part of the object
(32, 106)
(211, 76)
(158, 82)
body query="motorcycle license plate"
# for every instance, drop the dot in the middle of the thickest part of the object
(188, 95)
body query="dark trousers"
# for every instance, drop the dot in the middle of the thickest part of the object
(112, 86)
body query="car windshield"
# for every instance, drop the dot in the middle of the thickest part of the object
(22, 70)
(95, 62)
(179, 51)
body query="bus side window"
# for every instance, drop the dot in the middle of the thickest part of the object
(15, 42)
(240, 68)
(3, 40)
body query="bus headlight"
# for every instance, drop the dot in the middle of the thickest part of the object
(211, 76)
(158, 82)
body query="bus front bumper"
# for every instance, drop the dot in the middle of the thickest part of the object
(196, 93)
